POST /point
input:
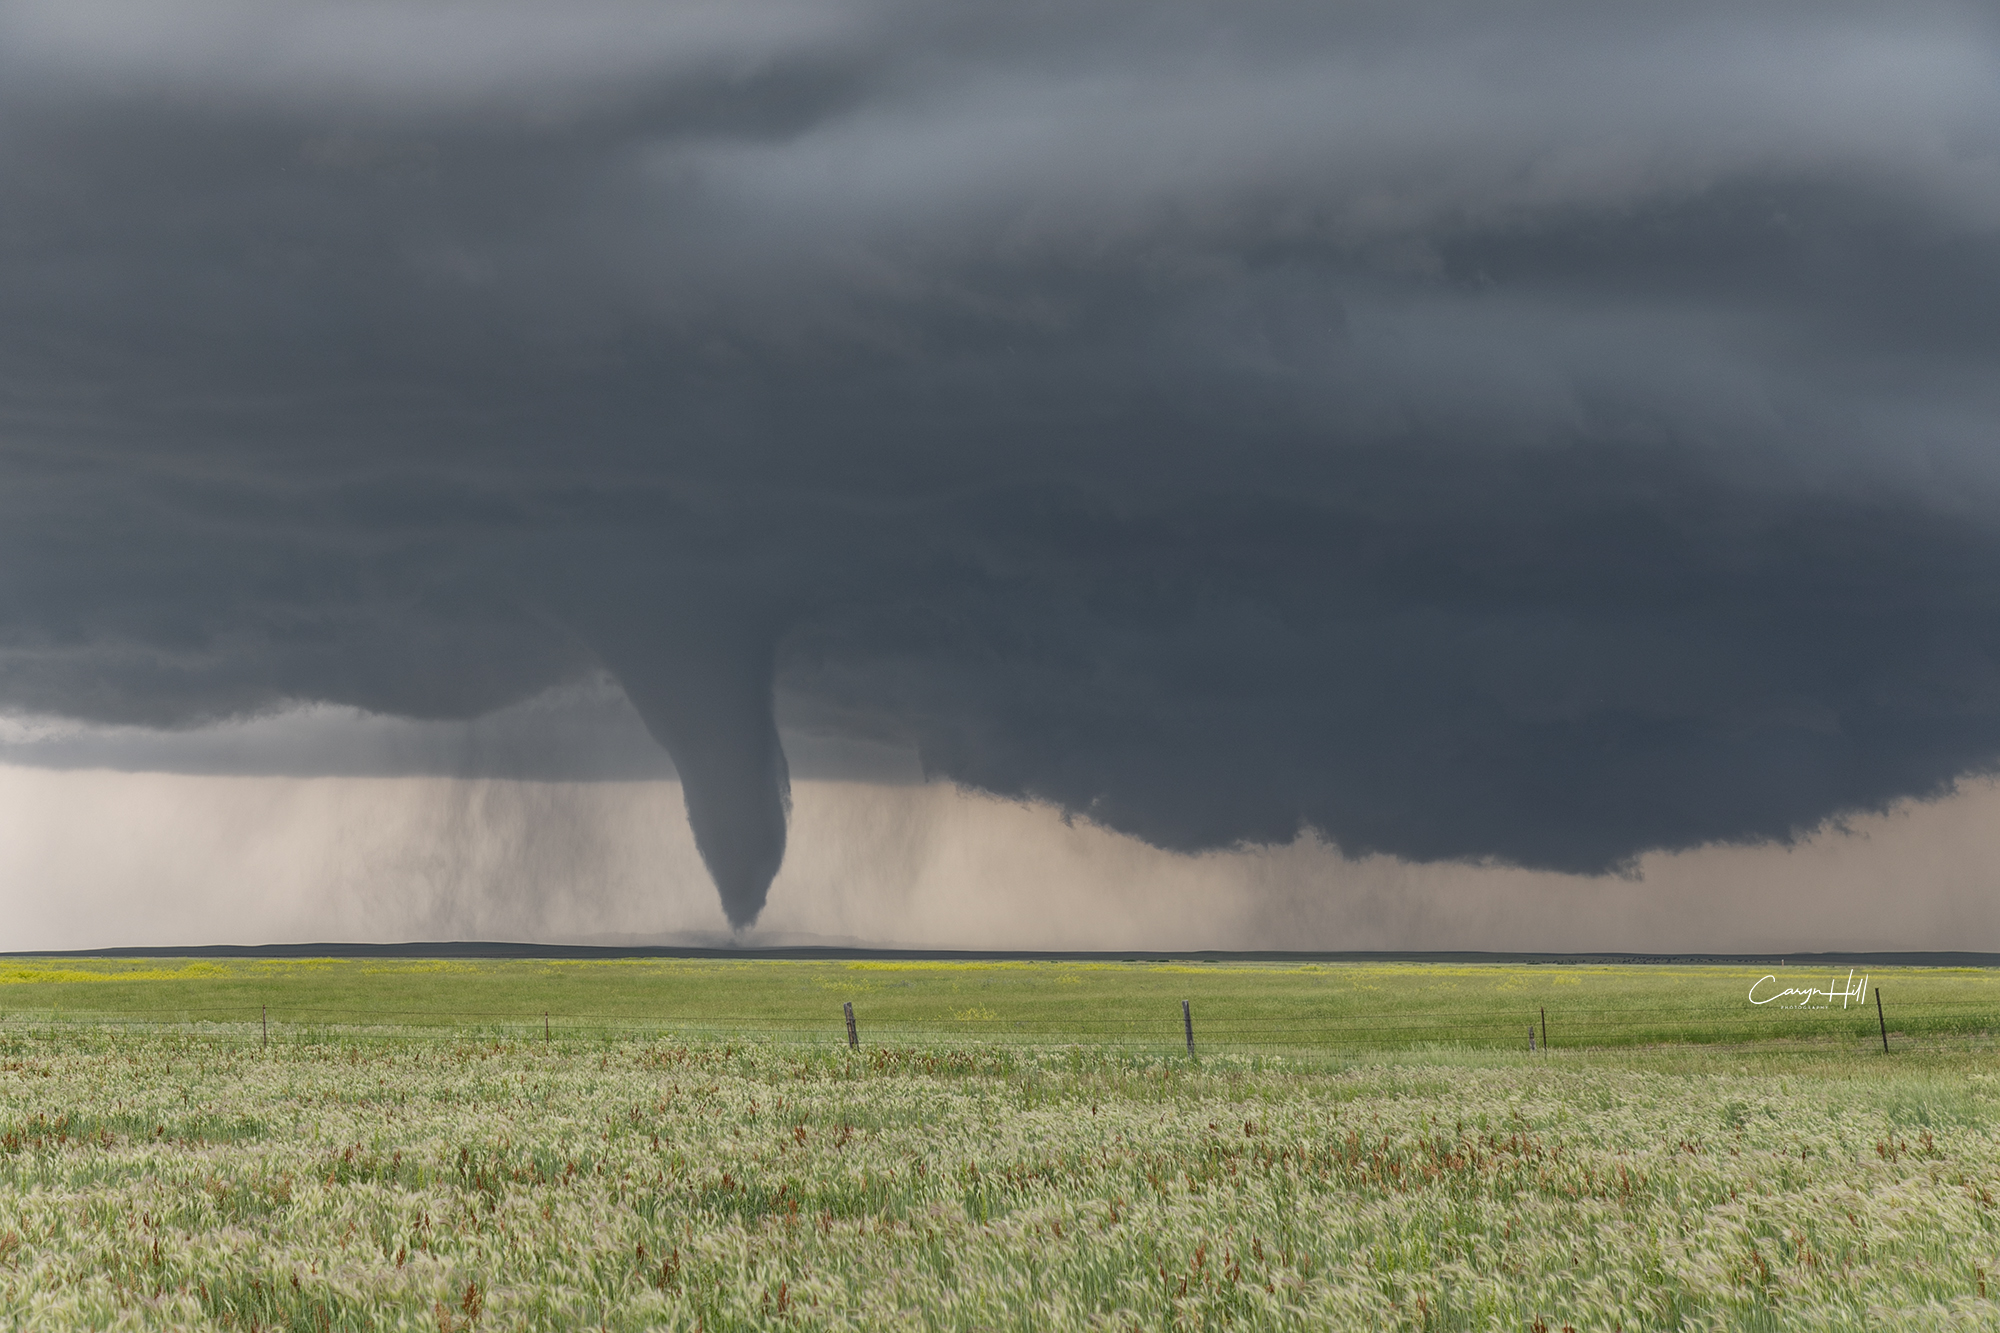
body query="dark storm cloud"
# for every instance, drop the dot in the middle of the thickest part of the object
(1543, 432)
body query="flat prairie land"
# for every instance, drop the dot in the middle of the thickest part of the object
(411, 1151)
(1334, 1007)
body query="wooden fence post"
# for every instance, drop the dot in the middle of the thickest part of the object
(853, 1037)
(1545, 1029)
(267, 1027)
(1880, 1021)
(545, 1025)
(1187, 1023)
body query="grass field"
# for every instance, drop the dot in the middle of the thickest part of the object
(1237, 1006)
(411, 1152)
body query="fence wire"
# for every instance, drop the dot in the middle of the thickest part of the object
(1579, 1027)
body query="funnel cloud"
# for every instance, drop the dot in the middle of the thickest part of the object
(1545, 437)
(704, 688)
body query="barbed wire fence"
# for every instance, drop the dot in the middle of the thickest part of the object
(1188, 1028)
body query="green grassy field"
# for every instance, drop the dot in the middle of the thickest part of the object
(1237, 1006)
(410, 1152)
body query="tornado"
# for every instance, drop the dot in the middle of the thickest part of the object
(706, 695)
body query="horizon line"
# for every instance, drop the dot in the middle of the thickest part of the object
(504, 949)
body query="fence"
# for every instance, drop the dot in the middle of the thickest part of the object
(1191, 1027)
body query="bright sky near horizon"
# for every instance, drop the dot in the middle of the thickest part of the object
(95, 859)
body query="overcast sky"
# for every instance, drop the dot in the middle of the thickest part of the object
(1542, 435)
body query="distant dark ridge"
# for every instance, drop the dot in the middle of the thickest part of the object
(504, 949)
